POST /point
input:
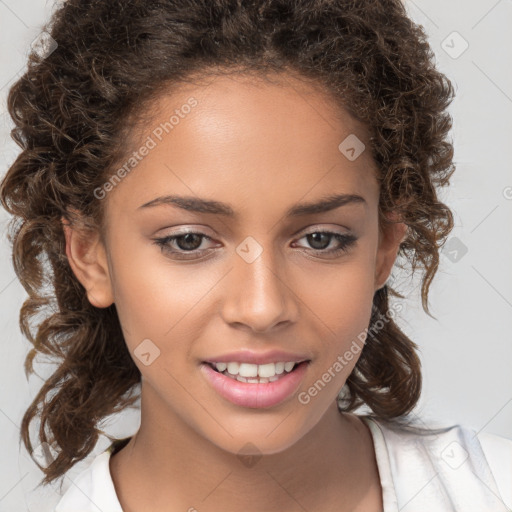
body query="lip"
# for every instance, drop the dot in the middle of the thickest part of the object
(254, 395)
(251, 357)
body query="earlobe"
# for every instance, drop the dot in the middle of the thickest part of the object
(390, 238)
(88, 261)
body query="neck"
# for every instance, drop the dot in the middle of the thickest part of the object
(173, 467)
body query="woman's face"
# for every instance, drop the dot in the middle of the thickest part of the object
(244, 161)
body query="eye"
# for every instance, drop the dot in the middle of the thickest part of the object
(188, 245)
(321, 240)
(186, 242)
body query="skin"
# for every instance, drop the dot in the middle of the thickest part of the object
(261, 147)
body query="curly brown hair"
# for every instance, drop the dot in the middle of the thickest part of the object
(73, 109)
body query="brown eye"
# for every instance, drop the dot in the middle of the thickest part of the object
(184, 245)
(319, 241)
(189, 241)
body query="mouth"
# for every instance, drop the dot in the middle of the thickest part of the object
(255, 386)
(253, 373)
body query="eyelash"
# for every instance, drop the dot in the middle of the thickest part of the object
(347, 241)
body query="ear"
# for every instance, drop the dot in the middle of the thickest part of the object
(391, 235)
(88, 260)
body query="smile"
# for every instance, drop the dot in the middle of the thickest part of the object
(252, 385)
(254, 373)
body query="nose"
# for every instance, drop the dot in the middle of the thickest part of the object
(259, 294)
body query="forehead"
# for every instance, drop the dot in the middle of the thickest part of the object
(242, 139)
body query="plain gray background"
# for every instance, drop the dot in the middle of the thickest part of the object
(466, 352)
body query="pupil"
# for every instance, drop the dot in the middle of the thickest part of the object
(187, 238)
(316, 237)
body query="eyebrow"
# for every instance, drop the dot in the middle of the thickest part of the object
(199, 205)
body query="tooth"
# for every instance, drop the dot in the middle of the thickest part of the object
(288, 366)
(248, 370)
(241, 379)
(266, 370)
(253, 381)
(274, 378)
(233, 368)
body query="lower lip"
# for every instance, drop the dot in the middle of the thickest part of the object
(255, 395)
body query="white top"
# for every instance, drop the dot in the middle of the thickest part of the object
(443, 470)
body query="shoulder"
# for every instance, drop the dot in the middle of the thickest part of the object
(93, 489)
(498, 452)
(454, 462)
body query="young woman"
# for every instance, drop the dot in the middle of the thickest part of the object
(209, 202)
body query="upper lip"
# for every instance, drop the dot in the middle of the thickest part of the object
(251, 357)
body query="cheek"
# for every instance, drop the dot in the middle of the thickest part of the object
(340, 311)
(157, 299)
(339, 323)
(342, 297)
